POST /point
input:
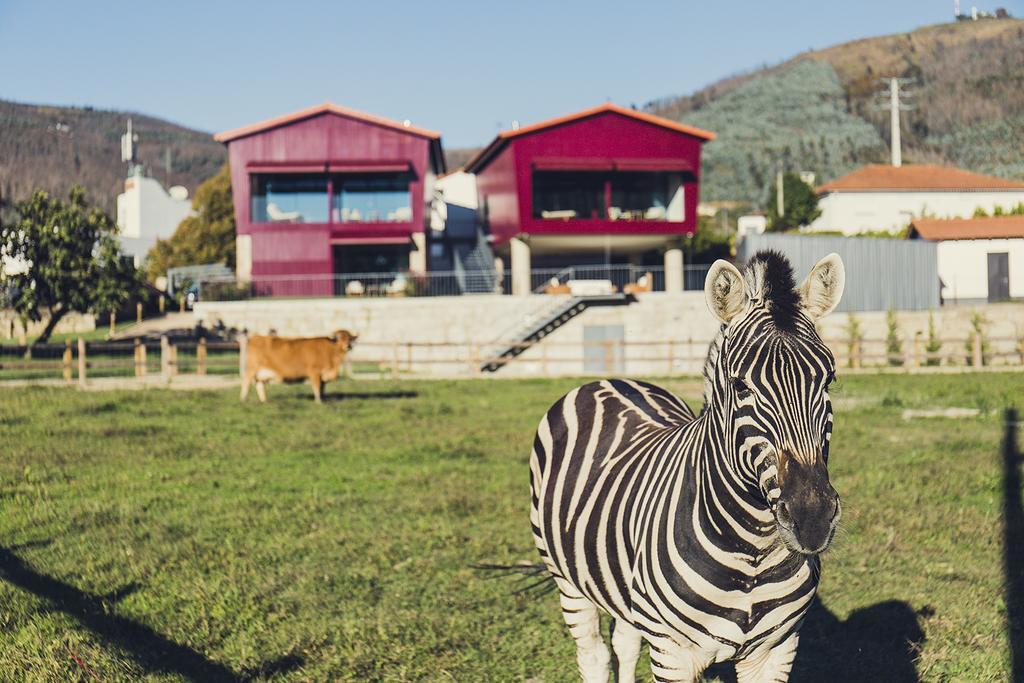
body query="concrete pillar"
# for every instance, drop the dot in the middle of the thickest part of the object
(243, 258)
(418, 256)
(499, 274)
(674, 270)
(520, 257)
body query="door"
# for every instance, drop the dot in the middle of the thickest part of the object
(999, 276)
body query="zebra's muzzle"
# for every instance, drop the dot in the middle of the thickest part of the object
(808, 508)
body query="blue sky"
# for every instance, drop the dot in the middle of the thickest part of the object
(465, 68)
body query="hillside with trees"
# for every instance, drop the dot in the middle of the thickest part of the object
(55, 148)
(818, 111)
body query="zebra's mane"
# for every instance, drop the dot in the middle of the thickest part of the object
(769, 280)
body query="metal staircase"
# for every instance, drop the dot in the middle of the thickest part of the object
(547, 320)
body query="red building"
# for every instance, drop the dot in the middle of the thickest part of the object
(604, 185)
(330, 190)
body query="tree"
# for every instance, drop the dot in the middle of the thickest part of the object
(207, 237)
(799, 200)
(68, 260)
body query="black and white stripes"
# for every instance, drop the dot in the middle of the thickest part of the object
(699, 535)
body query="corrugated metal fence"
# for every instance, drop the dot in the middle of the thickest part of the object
(880, 273)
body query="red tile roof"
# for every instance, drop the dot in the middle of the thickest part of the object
(328, 108)
(917, 177)
(504, 135)
(994, 227)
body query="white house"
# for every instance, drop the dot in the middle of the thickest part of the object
(881, 198)
(146, 212)
(979, 259)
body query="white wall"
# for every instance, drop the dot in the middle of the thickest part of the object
(146, 212)
(963, 267)
(459, 188)
(854, 212)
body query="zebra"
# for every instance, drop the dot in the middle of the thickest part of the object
(699, 534)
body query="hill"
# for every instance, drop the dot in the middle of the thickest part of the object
(818, 111)
(54, 148)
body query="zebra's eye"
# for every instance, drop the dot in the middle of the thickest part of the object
(740, 387)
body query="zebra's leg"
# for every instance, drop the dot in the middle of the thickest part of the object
(675, 662)
(584, 622)
(626, 641)
(770, 666)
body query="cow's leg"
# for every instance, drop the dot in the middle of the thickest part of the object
(584, 622)
(673, 661)
(626, 641)
(317, 383)
(246, 383)
(261, 390)
(769, 665)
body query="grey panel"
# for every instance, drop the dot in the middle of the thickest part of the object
(603, 352)
(880, 273)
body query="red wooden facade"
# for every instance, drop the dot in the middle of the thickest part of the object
(328, 142)
(607, 138)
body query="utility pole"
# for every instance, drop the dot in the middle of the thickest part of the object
(895, 93)
(780, 204)
(894, 122)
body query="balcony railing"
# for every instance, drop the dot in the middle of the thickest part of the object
(437, 283)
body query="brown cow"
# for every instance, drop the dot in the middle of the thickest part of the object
(290, 359)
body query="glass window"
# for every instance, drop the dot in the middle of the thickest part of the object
(371, 199)
(567, 195)
(646, 196)
(289, 198)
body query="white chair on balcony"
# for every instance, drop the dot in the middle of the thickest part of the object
(276, 215)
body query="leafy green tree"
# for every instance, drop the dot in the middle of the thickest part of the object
(709, 242)
(207, 237)
(799, 200)
(69, 260)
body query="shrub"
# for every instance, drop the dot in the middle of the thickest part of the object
(978, 331)
(934, 345)
(854, 336)
(893, 343)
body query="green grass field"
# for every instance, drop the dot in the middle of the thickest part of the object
(164, 535)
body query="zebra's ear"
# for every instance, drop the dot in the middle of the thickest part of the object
(725, 290)
(821, 291)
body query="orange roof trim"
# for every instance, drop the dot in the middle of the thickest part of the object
(919, 177)
(325, 108)
(993, 227)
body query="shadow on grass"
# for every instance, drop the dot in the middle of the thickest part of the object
(149, 649)
(876, 643)
(1013, 543)
(366, 395)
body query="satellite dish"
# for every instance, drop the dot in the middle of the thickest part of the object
(178, 192)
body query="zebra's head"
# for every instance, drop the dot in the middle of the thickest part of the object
(768, 375)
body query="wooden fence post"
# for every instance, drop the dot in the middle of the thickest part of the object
(163, 304)
(201, 357)
(68, 355)
(138, 312)
(140, 358)
(976, 350)
(113, 323)
(243, 350)
(81, 362)
(855, 351)
(165, 358)
(181, 305)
